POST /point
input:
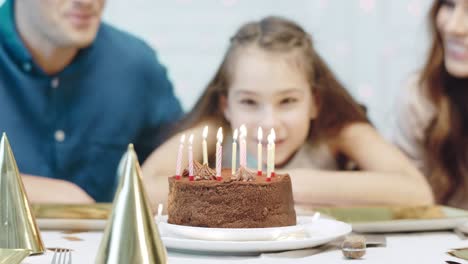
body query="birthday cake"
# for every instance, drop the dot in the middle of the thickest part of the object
(243, 200)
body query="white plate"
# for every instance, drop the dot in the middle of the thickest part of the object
(318, 232)
(454, 217)
(408, 225)
(236, 234)
(382, 219)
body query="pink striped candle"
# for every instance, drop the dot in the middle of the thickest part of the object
(205, 146)
(273, 139)
(243, 147)
(271, 155)
(259, 152)
(179, 157)
(234, 152)
(190, 157)
(219, 153)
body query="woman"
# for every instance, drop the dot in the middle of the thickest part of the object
(272, 77)
(433, 116)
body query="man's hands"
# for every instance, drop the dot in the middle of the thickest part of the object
(46, 190)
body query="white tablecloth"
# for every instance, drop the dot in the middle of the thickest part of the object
(425, 248)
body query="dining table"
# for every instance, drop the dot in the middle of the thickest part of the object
(409, 247)
(393, 235)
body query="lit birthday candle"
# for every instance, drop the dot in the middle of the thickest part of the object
(259, 151)
(205, 146)
(271, 155)
(219, 153)
(234, 151)
(190, 157)
(273, 139)
(159, 215)
(179, 157)
(243, 146)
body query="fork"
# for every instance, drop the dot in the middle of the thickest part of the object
(61, 256)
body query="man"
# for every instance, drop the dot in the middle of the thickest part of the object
(73, 93)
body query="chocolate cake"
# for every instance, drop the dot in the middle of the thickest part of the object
(240, 201)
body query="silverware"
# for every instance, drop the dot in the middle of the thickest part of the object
(62, 256)
(375, 240)
(461, 235)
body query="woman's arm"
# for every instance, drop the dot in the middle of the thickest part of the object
(387, 176)
(162, 162)
(47, 190)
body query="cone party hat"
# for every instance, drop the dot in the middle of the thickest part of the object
(13, 256)
(131, 235)
(18, 228)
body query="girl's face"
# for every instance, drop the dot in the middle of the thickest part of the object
(452, 24)
(271, 91)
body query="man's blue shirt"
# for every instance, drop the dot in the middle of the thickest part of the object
(76, 125)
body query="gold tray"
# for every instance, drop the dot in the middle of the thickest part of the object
(72, 211)
(345, 214)
(398, 219)
(374, 214)
(363, 219)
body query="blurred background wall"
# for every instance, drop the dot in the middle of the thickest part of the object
(371, 45)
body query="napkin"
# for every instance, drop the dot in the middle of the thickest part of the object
(371, 241)
(300, 253)
(13, 256)
(459, 253)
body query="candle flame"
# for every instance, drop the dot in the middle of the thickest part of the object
(260, 134)
(191, 139)
(271, 137)
(234, 136)
(182, 139)
(160, 209)
(219, 135)
(205, 132)
(243, 131)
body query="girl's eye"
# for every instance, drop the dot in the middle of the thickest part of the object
(448, 3)
(289, 100)
(248, 102)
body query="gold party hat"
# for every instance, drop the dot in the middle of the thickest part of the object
(131, 235)
(13, 256)
(18, 228)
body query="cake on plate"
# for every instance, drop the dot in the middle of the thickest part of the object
(243, 200)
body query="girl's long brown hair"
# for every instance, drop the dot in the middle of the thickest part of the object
(278, 35)
(447, 135)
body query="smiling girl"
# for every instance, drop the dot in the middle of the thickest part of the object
(271, 77)
(433, 116)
